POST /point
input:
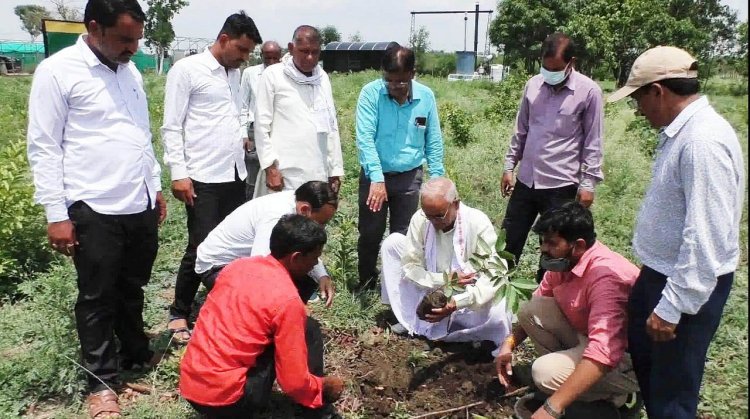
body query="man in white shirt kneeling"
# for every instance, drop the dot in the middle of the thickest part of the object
(441, 238)
(247, 232)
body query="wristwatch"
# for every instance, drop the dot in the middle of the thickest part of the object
(552, 412)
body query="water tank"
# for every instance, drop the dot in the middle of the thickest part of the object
(465, 62)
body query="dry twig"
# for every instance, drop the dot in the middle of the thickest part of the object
(442, 412)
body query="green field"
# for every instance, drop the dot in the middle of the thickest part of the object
(38, 343)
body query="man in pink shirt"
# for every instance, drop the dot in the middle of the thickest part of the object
(577, 318)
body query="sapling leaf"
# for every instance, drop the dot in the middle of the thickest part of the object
(483, 246)
(524, 285)
(448, 291)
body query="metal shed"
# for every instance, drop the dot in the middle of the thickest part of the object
(353, 56)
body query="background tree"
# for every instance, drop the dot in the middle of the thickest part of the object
(355, 37)
(329, 33)
(65, 11)
(158, 29)
(420, 42)
(31, 17)
(522, 25)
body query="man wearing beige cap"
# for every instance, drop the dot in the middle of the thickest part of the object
(687, 232)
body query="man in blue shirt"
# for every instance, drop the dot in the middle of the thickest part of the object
(398, 129)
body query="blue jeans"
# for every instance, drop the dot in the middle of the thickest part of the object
(670, 373)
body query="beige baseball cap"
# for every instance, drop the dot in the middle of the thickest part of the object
(656, 64)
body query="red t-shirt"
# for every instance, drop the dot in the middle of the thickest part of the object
(253, 304)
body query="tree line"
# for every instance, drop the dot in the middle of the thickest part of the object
(612, 33)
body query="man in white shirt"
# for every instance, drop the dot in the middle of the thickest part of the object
(441, 238)
(203, 146)
(270, 52)
(296, 131)
(247, 231)
(95, 173)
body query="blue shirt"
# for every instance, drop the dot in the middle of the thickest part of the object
(397, 138)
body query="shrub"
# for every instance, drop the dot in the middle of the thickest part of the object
(459, 121)
(646, 137)
(22, 224)
(506, 97)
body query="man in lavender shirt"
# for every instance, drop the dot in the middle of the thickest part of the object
(556, 144)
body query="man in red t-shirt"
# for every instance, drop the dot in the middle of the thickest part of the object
(253, 329)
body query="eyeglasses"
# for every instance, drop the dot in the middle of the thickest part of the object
(438, 218)
(396, 83)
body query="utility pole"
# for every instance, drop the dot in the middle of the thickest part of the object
(476, 32)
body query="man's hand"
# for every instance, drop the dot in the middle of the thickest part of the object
(504, 365)
(465, 279)
(248, 144)
(507, 184)
(660, 330)
(182, 189)
(161, 204)
(335, 183)
(326, 289)
(377, 196)
(586, 198)
(274, 180)
(441, 313)
(332, 388)
(62, 237)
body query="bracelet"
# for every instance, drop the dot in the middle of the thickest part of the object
(511, 340)
(552, 412)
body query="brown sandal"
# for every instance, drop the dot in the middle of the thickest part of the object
(180, 334)
(103, 404)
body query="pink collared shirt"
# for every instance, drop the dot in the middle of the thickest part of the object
(594, 298)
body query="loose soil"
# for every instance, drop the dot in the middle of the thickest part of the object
(394, 376)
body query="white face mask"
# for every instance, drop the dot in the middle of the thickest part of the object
(553, 78)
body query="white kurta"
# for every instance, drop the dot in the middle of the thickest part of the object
(406, 281)
(285, 131)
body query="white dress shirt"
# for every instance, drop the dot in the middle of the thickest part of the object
(688, 227)
(248, 87)
(247, 232)
(202, 132)
(286, 131)
(88, 137)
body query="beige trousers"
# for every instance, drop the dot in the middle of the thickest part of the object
(560, 348)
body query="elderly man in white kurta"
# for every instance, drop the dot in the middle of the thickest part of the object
(296, 131)
(441, 238)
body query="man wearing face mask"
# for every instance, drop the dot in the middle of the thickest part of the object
(556, 145)
(441, 238)
(270, 52)
(296, 130)
(203, 146)
(577, 319)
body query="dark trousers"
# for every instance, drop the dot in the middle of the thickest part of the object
(213, 202)
(306, 287)
(113, 261)
(403, 200)
(524, 206)
(260, 380)
(670, 373)
(252, 164)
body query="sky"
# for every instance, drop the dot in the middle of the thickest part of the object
(382, 20)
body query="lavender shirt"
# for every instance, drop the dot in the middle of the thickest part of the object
(558, 134)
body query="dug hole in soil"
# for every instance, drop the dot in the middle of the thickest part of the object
(387, 374)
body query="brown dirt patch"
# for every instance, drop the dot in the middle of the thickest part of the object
(389, 374)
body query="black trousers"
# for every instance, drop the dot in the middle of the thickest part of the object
(403, 200)
(524, 206)
(670, 373)
(113, 260)
(260, 380)
(306, 288)
(214, 201)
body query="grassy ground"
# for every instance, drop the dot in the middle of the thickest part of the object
(38, 345)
